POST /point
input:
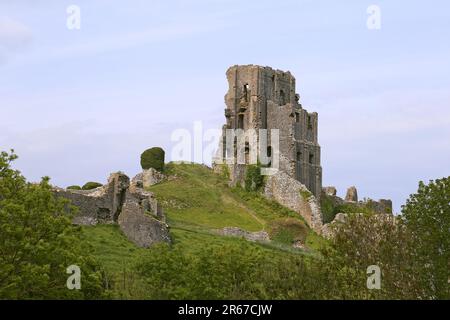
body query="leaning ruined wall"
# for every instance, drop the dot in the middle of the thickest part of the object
(295, 196)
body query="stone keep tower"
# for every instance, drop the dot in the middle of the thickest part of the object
(264, 98)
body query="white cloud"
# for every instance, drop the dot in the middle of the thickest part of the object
(14, 36)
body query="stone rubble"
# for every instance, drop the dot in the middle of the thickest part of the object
(250, 236)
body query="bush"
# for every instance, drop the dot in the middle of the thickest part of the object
(253, 178)
(74, 188)
(288, 231)
(327, 208)
(91, 185)
(153, 158)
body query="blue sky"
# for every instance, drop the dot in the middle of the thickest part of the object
(79, 104)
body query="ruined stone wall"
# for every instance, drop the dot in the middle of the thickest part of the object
(295, 196)
(135, 210)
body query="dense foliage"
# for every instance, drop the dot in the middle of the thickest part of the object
(254, 181)
(38, 242)
(330, 208)
(427, 215)
(153, 158)
(411, 252)
(236, 270)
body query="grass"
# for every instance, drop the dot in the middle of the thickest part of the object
(117, 254)
(111, 247)
(197, 202)
(196, 196)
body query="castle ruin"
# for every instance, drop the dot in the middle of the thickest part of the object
(264, 98)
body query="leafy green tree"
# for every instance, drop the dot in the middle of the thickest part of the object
(153, 158)
(365, 240)
(38, 242)
(412, 250)
(427, 214)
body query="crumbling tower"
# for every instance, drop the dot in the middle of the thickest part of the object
(264, 98)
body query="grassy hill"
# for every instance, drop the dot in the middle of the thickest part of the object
(198, 202)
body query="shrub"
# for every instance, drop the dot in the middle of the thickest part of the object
(327, 208)
(253, 178)
(153, 158)
(288, 231)
(225, 172)
(74, 188)
(91, 185)
(306, 194)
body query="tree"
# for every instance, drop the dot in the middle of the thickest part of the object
(412, 250)
(427, 214)
(365, 240)
(153, 158)
(38, 241)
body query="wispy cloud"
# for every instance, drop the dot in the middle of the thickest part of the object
(14, 37)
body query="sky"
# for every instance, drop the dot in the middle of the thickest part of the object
(78, 104)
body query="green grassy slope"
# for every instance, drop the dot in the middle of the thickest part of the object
(195, 196)
(196, 202)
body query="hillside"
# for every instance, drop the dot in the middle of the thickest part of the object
(198, 202)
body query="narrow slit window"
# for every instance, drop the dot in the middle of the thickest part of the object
(246, 89)
(282, 98)
(309, 122)
(241, 121)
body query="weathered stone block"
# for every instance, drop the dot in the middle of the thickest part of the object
(329, 191)
(352, 194)
(250, 236)
(151, 177)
